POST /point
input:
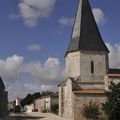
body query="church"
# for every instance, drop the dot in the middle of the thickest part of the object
(87, 66)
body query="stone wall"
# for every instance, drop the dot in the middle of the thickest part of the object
(81, 99)
(78, 64)
(66, 100)
(73, 64)
(45, 103)
(60, 101)
(39, 105)
(68, 107)
(3, 104)
(100, 61)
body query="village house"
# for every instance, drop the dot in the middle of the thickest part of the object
(87, 66)
(3, 100)
(45, 103)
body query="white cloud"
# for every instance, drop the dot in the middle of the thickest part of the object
(33, 47)
(31, 11)
(66, 21)
(43, 76)
(99, 15)
(10, 68)
(114, 57)
(48, 73)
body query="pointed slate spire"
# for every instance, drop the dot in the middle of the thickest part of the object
(85, 34)
(2, 86)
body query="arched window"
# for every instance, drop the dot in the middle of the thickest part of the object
(92, 67)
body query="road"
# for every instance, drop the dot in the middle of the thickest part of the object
(34, 116)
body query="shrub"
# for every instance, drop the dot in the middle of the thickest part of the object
(91, 111)
(54, 108)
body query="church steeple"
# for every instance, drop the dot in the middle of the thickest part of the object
(85, 35)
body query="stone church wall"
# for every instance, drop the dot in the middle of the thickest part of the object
(3, 104)
(68, 107)
(73, 64)
(66, 98)
(81, 99)
(100, 66)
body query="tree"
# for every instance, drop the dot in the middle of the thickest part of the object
(27, 100)
(112, 106)
(91, 111)
(44, 93)
(55, 108)
(36, 95)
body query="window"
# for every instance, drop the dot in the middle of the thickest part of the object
(92, 67)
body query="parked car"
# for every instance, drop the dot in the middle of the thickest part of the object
(17, 109)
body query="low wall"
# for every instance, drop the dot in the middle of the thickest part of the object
(3, 104)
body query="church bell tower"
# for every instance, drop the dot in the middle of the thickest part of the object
(87, 54)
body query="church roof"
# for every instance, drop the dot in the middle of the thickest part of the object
(85, 35)
(2, 86)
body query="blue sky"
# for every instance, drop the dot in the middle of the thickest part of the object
(30, 42)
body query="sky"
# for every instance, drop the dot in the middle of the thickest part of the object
(34, 36)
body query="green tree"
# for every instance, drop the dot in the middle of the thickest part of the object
(36, 95)
(112, 105)
(44, 93)
(27, 100)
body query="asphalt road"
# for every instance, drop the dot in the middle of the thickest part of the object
(34, 116)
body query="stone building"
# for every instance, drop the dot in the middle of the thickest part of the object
(45, 103)
(87, 66)
(3, 100)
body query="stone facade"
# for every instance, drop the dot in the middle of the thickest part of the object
(79, 99)
(66, 100)
(45, 103)
(73, 64)
(71, 101)
(78, 64)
